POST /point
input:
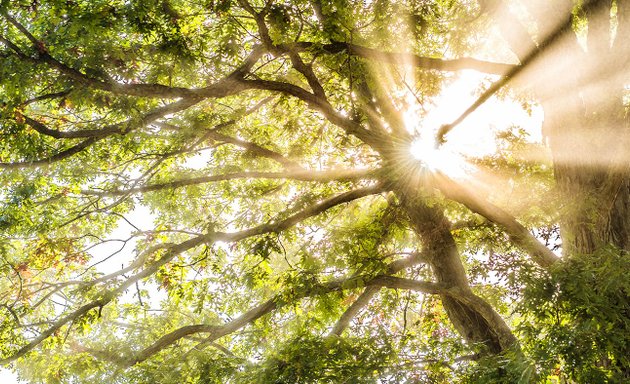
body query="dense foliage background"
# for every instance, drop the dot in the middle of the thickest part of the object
(258, 191)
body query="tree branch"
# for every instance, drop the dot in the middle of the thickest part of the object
(376, 140)
(107, 295)
(256, 149)
(316, 209)
(306, 175)
(51, 159)
(307, 72)
(364, 299)
(95, 135)
(251, 147)
(517, 232)
(146, 90)
(268, 306)
(526, 59)
(224, 87)
(46, 97)
(353, 310)
(399, 58)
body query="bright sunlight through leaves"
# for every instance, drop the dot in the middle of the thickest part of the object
(475, 137)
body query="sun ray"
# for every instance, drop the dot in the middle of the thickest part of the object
(475, 137)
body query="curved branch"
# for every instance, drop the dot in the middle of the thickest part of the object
(376, 140)
(333, 175)
(308, 73)
(45, 97)
(107, 295)
(373, 286)
(517, 232)
(222, 88)
(169, 339)
(44, 130)
(44, 57)
(95, 135)
(353, 310)
(51, 159)
(216, 332)
(256, 149)
(275, 227)
(251, 147)
(400, 58)
(268, 306)
(364, 299)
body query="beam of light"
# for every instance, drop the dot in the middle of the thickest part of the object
(425, 150)
(475, 137)
(437, 159)
(552, 38)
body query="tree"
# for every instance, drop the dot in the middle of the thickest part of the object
(294, 238)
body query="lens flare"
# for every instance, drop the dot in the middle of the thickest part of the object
(439, 159)
(425, 150)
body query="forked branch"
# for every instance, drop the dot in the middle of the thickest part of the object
(105, 296)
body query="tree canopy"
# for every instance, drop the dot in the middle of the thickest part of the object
(241, 191)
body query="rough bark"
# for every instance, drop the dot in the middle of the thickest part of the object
(587, 130)
(585, 123)
(476, 321)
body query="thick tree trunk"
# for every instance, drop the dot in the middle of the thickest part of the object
(580, 87)
(588, 134)
(620, 217)
(475, 320)
(581, 182)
